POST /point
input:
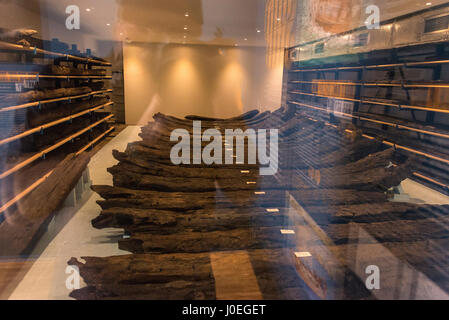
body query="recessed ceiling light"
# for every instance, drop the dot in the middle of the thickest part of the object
(88, 9)
(185, 37)
(428, 3)
(278, 19)
(246, 39)
(185, 28)
(258, 30)
(108, 24)
(187, 14)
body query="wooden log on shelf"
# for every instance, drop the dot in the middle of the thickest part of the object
(353, 152)
(23, 222)
(51, 135)
(182, 201)
(246, 116)
(380, 175)
(159, 169)
(38, 95)
(173, 122)
(176, 290)
(37, 118)
(191, 242)
(180, 276)
(141, 275)
(153, 221)
(320, 197)
(61, 70)
(146, 157)
(375, 212)
(138, 181)
(390, 231)
(167, 124)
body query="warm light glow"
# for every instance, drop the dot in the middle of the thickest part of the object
(231, 85)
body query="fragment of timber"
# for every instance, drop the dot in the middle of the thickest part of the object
(168, 222)
(191, 242)
(23, 222)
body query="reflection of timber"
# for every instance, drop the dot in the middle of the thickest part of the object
(306, 268)
(280, 16)
(335, 16)
(158, 20)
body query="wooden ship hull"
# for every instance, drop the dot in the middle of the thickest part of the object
(175, 217)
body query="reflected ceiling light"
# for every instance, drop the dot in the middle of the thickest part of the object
(108, 24)
(187, 14)
(428, 3)
(278, 19)
(258, 30)
(185, 37)
(185, 28)
(246, 39)
(88, 9)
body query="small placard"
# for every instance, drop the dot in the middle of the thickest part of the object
(303, 254)
(250, 182)
(244, 171)
(259, 192)
(287, 231)
(273, 210)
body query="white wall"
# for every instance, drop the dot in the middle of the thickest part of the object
(206, 80)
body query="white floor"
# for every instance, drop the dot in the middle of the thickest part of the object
(47, 277)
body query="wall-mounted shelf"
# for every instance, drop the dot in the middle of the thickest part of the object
(41, 180)
(58, 144)
(16, 48)
(60, 117)
(42, 102)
